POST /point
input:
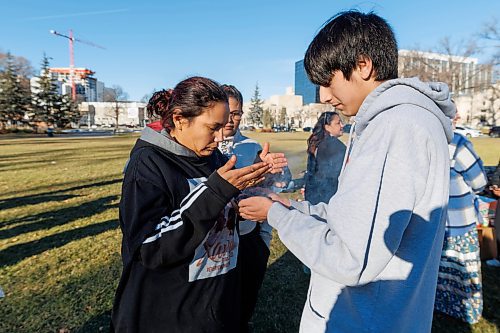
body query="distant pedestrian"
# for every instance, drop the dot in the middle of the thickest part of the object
(325, 155)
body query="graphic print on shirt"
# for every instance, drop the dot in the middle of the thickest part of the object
(226, 146)
(218, 252)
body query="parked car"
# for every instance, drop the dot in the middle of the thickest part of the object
(495, 132)
(72, 130)
(467, 132)
(485, 129)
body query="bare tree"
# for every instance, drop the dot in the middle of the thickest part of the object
(449, 62)
(490, 37)
(282, 117)
(267, 118)
(117, 96)
(23, 65)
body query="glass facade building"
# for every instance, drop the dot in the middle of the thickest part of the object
(304, 87)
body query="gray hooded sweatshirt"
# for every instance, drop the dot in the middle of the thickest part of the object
(374, 249)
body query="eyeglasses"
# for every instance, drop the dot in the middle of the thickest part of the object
(236, 115)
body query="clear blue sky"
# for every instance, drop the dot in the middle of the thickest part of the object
(155, 44)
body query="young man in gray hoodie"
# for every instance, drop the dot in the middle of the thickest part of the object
(374, 249)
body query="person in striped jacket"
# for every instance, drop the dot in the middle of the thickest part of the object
(459, 287)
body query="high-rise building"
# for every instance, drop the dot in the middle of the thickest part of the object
(86, 84)
(88, 88)
(303, 86)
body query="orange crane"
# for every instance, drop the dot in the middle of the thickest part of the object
(72, 56)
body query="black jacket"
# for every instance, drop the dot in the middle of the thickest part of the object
(323, 170)
(179, 245)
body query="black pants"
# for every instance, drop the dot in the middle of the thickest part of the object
(252, 259)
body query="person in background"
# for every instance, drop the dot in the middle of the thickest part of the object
(325, 155)
(180, 242)
(459, 287)
(255, 238)
(494, 189)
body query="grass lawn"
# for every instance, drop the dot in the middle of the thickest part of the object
(60, 240)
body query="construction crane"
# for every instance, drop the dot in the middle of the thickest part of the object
(72, 56)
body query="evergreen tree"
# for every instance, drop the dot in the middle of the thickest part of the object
(67, 113)
(14, 97)
(256, 110)
(45, 98)
(48, 105)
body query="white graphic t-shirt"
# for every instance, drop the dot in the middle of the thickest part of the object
(218, 253)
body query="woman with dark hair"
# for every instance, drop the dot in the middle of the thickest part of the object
(180, 241)
(157, 103)
(325, 154)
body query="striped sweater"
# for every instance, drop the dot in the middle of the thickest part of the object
(467, 177)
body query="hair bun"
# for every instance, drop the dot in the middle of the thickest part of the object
(159, 102)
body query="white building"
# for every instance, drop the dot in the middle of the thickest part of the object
(464, 75)
(481, 108)
(290, 105)
(130, 114)
(471, 83)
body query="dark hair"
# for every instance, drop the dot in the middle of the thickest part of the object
(190, 96)
(319, 132)
(344, 39)
(232, 91)
(158, 103)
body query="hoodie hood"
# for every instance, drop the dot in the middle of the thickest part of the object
(408, 91)
(165, 141)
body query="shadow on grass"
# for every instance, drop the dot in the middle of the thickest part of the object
(442, 323)
(51, 189)
(16, 253)
(53, 195)
(37, 154)
(279, 306)
(281, 297)
(98, 323)
(20, 166)
(62, 216)
(491, 293)
(34, 200)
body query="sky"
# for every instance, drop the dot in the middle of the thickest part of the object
(150, 45)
